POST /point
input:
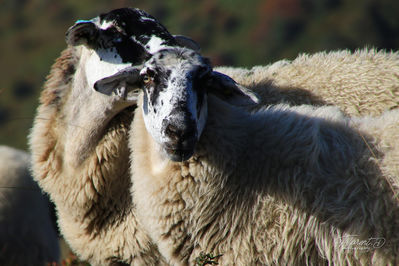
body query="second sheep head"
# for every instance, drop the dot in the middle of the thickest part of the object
(118, 39)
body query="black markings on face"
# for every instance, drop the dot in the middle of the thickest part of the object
(143, 39)
(159, 84)
(130, 51)
(145, 103)
(191, 73)
(184, 130)
(135, 22)
(132, 30)
(179, 107)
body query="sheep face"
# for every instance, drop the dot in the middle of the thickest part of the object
(174, 100)
(115, 40)
(176, 83)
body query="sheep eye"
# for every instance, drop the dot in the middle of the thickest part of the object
(146, 78)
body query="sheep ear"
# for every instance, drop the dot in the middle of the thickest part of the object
(227, 89)
(124, 84)
(187, 42)
(83, 32)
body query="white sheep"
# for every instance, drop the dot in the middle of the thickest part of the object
(77, 148)
(78, 137)
(284, 185)
(365, 82)
(27, 232)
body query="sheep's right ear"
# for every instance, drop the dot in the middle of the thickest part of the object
(83, 32)
(230, 91)
(187, 42)
(124, 84)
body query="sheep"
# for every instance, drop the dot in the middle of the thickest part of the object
(361, 83)
(281, 185)
(27, 233)
(78, 137)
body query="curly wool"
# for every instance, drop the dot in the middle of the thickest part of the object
(83, 203)
(287, 185)
(364, 82)
(78, 161)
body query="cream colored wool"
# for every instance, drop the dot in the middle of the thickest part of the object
(365, 82)
(27, 233)
(283, 186)
(89, 180)
(80, 158)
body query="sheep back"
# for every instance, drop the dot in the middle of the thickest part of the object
(364, 82)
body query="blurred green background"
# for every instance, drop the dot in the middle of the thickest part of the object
(230, 32)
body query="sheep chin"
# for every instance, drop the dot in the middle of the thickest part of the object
(178, 155)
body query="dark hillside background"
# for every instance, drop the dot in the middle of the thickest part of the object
(231, 32)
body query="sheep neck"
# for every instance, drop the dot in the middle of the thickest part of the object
(88, 115)
(171, 187)
(83, 188)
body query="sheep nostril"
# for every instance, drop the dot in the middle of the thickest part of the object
(173, 132)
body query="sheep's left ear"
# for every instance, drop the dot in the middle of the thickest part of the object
(83, 32)
(227, 89)
(187, 42)
(124, 84)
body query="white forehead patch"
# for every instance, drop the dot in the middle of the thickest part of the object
(106, 24)
(102, 63)
(155, 44)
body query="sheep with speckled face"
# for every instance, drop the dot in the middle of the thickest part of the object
(282, 185)
(79, 136)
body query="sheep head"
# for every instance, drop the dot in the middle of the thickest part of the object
(119, 39)
(175, 84)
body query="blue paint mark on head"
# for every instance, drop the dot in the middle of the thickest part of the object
(82, 21)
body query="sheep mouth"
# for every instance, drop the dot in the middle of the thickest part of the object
(179, 155)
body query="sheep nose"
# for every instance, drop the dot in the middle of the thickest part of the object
(180, 137)
(181, 141)
(173, 132)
